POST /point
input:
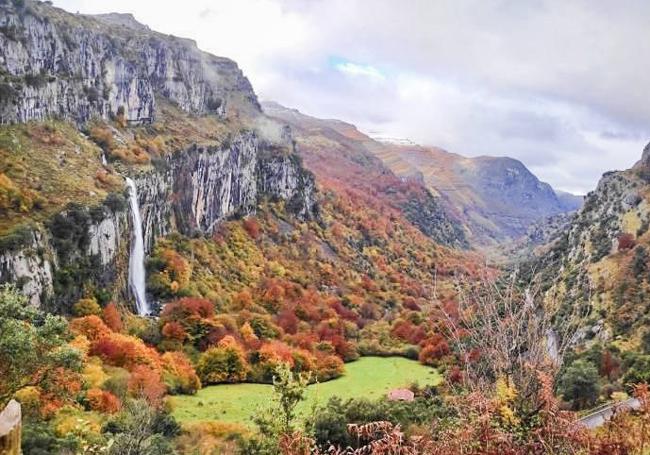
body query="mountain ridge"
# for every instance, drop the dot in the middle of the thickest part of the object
(495, 198)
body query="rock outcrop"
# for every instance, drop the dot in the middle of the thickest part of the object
(598, 262)
(77, 67)
(202, 186)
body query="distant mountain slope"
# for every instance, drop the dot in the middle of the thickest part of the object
(339, 156)
(497, 198)
(494, 199)
(570, 202)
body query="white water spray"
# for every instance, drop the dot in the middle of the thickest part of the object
(136, 260)
(104, 162)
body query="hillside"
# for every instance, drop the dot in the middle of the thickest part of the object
(340, 157)
(496, 198)
(598, 265)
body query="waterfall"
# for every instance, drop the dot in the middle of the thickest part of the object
(136, 260)
(104, 162)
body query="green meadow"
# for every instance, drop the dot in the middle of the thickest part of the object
(368, 377)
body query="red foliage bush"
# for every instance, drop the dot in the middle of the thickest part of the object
(112, 317)
(435, 349)
(275, 352)
(252, 227)
(626, 241)
(92, 327)
(329, 367)
(103, 401)
(179, 374)
(411, 304)
(186, 308)
(125, 351)
(344, 312)
(174, 331)
(288, 321)
(146, 383)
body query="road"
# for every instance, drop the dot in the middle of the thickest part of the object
(604, 413)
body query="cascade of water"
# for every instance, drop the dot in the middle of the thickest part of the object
(104, 162)
(136, 259)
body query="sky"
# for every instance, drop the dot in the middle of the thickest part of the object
(560, 85)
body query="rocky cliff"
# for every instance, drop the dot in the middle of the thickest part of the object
(76, 67)
(109, 70)
(599, 262)
(201, 186)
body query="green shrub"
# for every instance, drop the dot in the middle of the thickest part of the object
(580, 384)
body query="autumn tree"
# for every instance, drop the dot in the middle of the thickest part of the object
(223, 363)
(86, 307)
(146, 383)
(178, 373)
(33, 345)
(112, 317)
(502, 330)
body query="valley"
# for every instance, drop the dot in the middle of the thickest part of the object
(186, 269)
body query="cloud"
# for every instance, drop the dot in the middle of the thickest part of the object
(356, 70)
(560, 85)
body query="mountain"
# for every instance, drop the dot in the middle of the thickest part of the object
(340, 156)
(568, 201)
(494, 199)
(79, 90)
(595, 275)
(135, 167)
(599, 261)
(497, 198)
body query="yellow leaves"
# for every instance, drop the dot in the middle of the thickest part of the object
(505, 391)
(505, 395)
(93, 374)
(276, 269)
(73, 421)
(81, 343)
(247, 333)
(29, 397)
(508, 415)
(12, 197)
(87, 307)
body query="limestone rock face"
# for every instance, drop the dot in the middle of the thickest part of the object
(75, 248)
(31, 272)
(202, 186)
(76, 67)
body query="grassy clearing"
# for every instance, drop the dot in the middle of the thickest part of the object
(368, 377)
